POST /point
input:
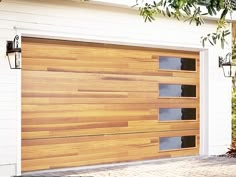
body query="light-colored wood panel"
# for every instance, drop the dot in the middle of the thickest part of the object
(84, 57)
(90, 139)
(115, 86)
(50, 45)
(102, 107)
(30, 76)
(124, 71)
(86, 103)
(87, 115)
(97, 149)
(104, 62)
(105, 85)
(78, 129)
(66, 77)
(129, 100)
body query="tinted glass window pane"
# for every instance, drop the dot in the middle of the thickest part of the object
(167, 114)
(178, 142)
(174, 90)
(172, 63)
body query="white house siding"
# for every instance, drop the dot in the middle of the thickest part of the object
(219, 107)
(75, 21)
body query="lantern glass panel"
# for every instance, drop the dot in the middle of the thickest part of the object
(227, 70)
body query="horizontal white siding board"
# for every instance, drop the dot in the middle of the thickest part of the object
(7, 170)
(10, 99)
(8, 124)
(8, 155)
(7, 79)
(8, 114)
(10, 92)
(119, 2)
(4, 68)
(5, 32)
(7, 108)
(8, 138)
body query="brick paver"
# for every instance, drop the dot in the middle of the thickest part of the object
(179, 167)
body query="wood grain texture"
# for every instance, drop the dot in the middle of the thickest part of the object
(87, 103)
(87, 150)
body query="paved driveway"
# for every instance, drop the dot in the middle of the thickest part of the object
(179, 167)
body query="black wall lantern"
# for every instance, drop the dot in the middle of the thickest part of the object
(229, 68)
(13, 52)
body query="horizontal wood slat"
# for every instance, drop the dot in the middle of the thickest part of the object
(87, 103)
(90, 108)
(77, 151)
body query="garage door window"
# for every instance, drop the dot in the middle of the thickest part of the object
(178, 142)
(177, 63)
(175, 114)
(177, 90)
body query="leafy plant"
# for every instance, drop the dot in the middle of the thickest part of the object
(232, 151)
(192, 11)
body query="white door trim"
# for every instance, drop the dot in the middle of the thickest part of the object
(76, 36)
(204, 104)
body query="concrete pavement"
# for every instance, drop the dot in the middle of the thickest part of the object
(177, 167)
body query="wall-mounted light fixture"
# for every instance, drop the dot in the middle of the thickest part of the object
(13, 52)
(229, 68)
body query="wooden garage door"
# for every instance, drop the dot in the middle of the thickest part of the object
(86, 103)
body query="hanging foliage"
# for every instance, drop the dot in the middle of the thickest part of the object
(192, 11)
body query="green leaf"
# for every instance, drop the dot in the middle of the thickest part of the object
(222, 43)
(209, 11)
(214, 11)
(224, 13)
(211, 42)
(168, 12)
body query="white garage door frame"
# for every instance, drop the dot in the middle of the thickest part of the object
(76, 36)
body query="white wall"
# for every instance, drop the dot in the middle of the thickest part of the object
(72, 20)
(219, 112)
